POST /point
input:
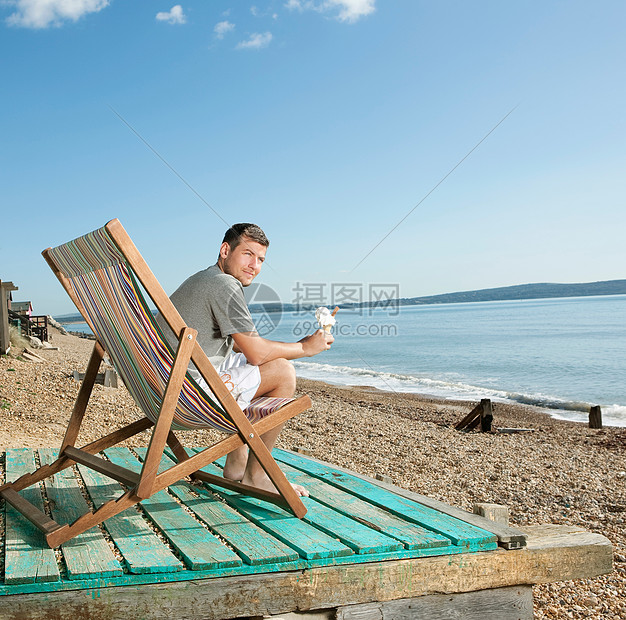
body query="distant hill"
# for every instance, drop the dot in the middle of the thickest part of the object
(502, 293)
(520, 291)
(524, 291)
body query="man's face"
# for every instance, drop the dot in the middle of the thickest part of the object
(244, 262)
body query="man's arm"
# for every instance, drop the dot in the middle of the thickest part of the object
(258, 350)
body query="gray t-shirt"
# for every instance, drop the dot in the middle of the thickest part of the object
(212, 302)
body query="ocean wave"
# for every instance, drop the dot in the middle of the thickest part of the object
(613, 415)
(390, 381)
(615, 411)
(548, 402)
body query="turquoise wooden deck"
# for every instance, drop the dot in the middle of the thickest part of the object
(194, 531)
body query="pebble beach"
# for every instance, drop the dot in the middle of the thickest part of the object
(554, 472)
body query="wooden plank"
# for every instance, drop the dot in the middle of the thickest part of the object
(199, 549)
(68, 504)
(459, 532)
(410, 535)
(332, 503)
(512, 603)
(509, 537)
(361, 536)
(252, 543)
(307, 540)
(88, 555)
(141, 548)
(91, 519)
(553, 554)
(27, 557)
(353, 534)
(493, 512)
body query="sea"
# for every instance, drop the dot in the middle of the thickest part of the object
(562, 355)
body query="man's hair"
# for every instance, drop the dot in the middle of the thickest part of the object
(237, 231)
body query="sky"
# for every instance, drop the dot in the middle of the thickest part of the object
(428, 146)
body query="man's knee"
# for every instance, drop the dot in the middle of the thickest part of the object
(286, 372)
(280, 375)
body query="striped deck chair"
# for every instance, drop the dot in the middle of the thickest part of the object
(105, 276)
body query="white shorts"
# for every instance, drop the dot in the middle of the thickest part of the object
(241, 379)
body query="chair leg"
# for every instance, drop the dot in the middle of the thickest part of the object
(80, 406)
(166, 414)
(177, 448)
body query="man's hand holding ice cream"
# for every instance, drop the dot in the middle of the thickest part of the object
(321, 339)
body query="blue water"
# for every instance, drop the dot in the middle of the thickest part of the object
(562, 354)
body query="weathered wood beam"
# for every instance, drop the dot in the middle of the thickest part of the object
(512, 603)
(554, 553)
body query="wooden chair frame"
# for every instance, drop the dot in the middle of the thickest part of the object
(149, 481)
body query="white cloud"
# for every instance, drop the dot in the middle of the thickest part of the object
(346, 10)
(174, 16)
(351, 10)
(256, 41)
(46, 13)
(221, 28)
(256, 12)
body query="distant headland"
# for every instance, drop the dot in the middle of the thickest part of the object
(542, 290)
(524, 291)
(503, 293)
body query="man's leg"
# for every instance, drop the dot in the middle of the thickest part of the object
(278, 379)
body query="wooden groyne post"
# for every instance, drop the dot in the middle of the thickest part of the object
(481, 414)
(5, 295)
(595, 417)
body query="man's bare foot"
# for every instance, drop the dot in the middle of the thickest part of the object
(300, 490)
(233, 473)
(264, 483)
(235, 465)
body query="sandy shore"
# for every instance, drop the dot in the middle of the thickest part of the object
(560, 472)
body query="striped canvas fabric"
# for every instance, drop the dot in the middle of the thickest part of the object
(116, 311)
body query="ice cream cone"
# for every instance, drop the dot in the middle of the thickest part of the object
(325, 318)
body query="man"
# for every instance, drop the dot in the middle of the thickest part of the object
(212, 301)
